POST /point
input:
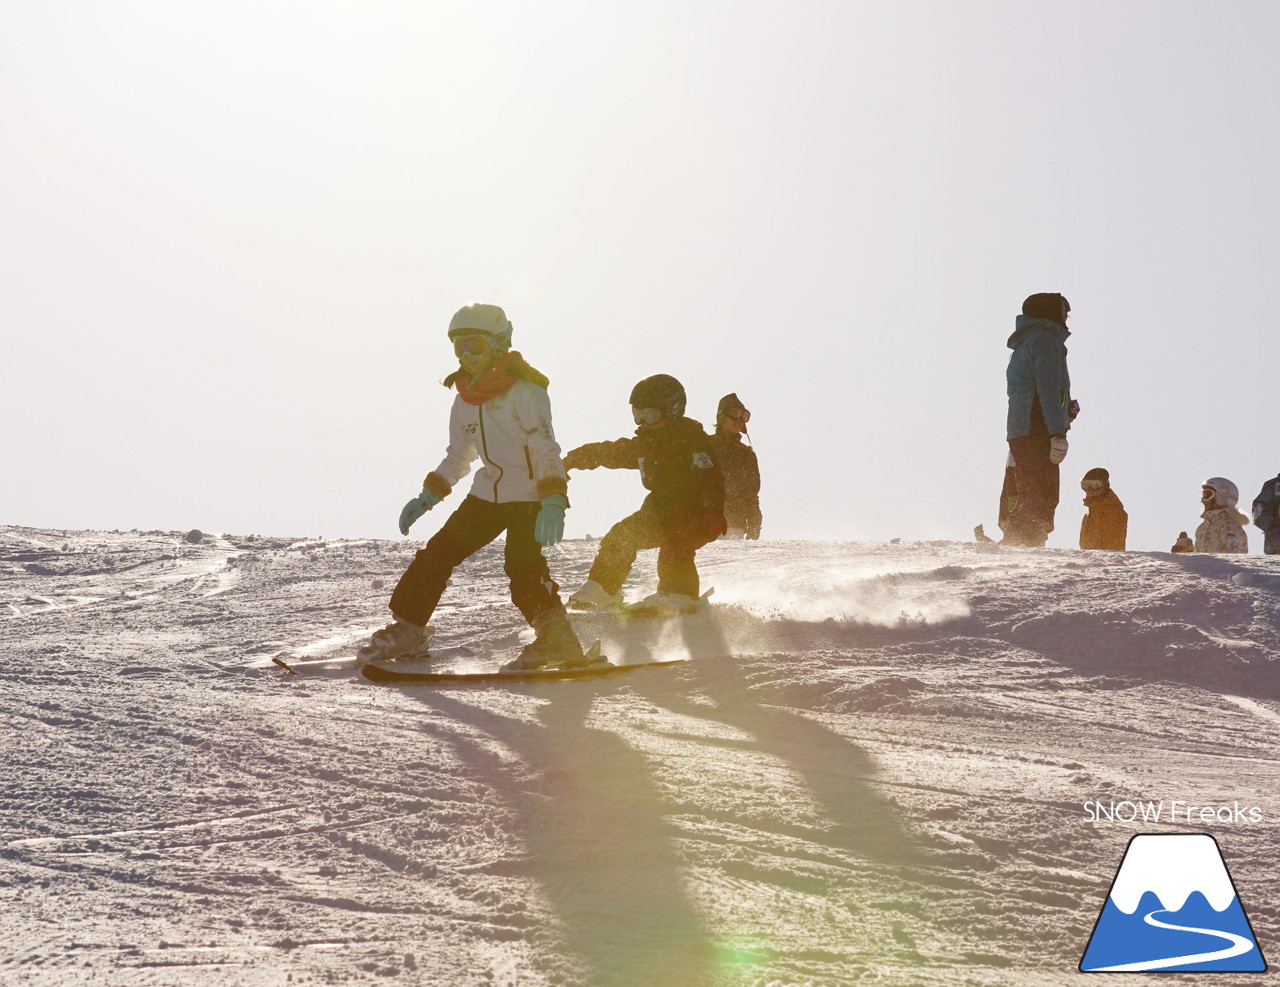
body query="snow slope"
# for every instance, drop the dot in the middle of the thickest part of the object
(875, 771)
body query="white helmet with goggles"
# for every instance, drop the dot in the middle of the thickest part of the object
(482, 320)
(1223, 491)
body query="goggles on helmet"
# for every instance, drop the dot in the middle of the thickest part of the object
(471, 346)
(1088, 485)
(739, 415)
(646, 416)
(1207, 494)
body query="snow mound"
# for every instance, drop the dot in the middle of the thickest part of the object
(876, 769)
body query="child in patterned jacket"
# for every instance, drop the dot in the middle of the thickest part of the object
(1222, 529)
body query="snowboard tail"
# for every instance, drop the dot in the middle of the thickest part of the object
(638, 611)
(423, 671)
(301, 666)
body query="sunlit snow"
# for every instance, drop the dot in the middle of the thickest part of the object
(874, 770)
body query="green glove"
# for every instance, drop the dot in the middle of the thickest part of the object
(548, 527)
(416, 508)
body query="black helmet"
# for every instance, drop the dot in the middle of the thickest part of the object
(661, 391)
(1047, 305)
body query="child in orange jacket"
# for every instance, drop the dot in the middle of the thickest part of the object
(1107, 523)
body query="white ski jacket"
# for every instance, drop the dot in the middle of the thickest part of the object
(511, 435)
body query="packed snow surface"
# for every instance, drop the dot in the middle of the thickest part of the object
(886, 764)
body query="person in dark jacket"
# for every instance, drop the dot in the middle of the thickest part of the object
(1106, 524)
(741, 469)
(1266, 515)
(683, 510)
(1040, 412)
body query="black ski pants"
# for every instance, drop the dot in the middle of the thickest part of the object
(677, 571)
(1008, 496)
(1031, 518)
(470, 528)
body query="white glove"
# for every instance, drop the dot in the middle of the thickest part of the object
(1057, 449)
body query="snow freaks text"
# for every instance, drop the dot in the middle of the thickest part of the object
(1172, 811)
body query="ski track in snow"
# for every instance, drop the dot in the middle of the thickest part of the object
(874, 772)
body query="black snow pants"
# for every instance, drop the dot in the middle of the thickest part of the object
(677, 572)
(1031, 517)
(470, 528)
(1008, 495)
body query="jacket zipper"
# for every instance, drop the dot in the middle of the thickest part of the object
(484, 445)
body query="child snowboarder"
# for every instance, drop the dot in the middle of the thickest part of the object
(1106, 524)
(740, 468)
(683, 510)
(502, 416)
(1266, 515)
(1222, 529)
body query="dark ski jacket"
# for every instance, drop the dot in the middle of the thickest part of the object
(1107, 523)
(741, 470)
(1266, 515)
(1036, 379)
(677, 467)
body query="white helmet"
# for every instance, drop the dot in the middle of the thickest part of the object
(1224, 491)
(488, 320)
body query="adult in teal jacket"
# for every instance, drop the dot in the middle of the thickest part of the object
(1040, 412)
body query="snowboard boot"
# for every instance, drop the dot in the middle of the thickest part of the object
(399, 639)
(555, 645)
(593, 596)
(668, 603)
(1036, 533)
(1026, 534)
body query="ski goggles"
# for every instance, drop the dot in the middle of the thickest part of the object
(739, 415)
(471, 346)
(1087, 485)
(646, 416)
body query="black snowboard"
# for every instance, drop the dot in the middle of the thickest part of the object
(421, 671)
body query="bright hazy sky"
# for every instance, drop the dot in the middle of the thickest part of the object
(233, 234)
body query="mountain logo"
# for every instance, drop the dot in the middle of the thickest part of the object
(1172, 908)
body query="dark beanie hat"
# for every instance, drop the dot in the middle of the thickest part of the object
(1046, 305)
(729, 403)
(1098, 473)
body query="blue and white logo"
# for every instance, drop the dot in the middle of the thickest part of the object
(1172, 908)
